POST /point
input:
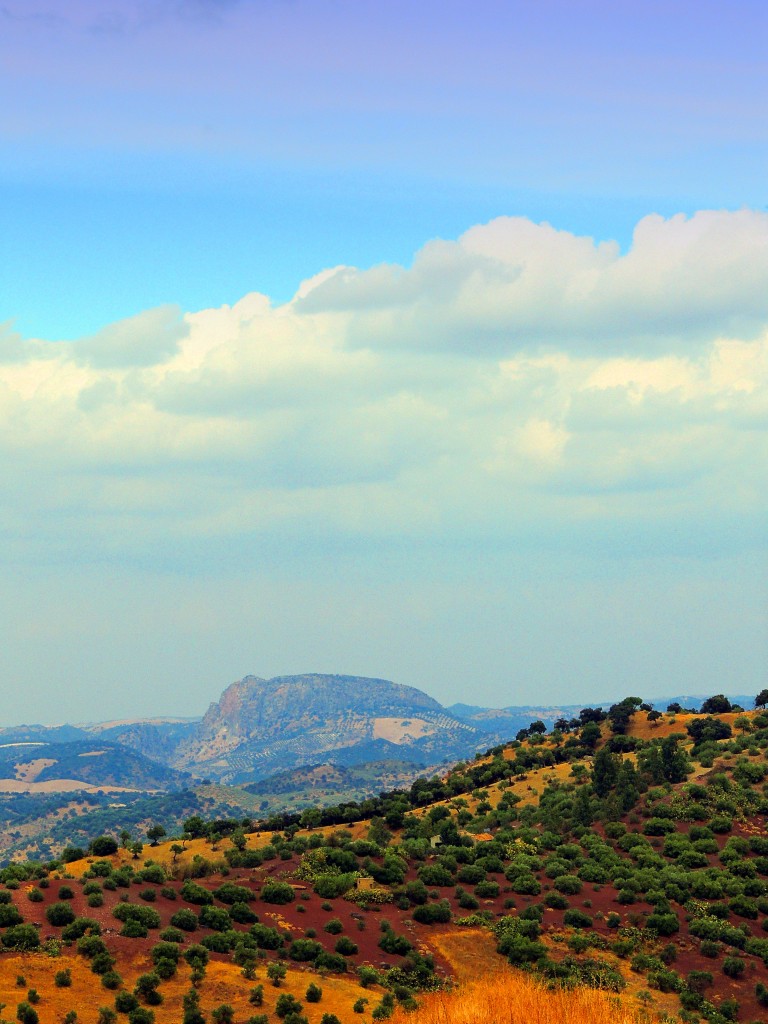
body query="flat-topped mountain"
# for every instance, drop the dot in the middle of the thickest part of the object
(260, 726)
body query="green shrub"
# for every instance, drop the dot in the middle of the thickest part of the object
(432, 913)
(435, 874)
(556, 901)
(231, 893)
(721, 824)
(191, 892)
(331, 886)
(526, 885)
(665, 981)
(133, 929)
(153, 873)
(125, 1002)
(278, 893)
(242, 913)
(733, 966)
(9, 915)
(304, 950)
(658, 827)
(392, 942)
(26, 1014)
(333, 962)
(570, 885)
(664, 924)
(185, 919)
(744, 907)
(287, 1004)
(216, 918)
(219, 942)
(314, 993)
(147, 916)
(345, 946)
(470, 874)
(266, 937)
(698, 981)
(59, 914)
(141, 1015)
(576, 918)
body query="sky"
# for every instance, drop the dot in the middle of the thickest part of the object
(417, 341)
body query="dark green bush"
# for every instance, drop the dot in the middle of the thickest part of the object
(278, 893)
(304, 950)
(555, 901)
(570, 885)
(265, 937)
(333, 962)
(345, 946)
(576, 918)
(432, 913)
(664, 924)
(391, 942)
(59, 914)
(733, 966)
(191, 892)
(185, 919)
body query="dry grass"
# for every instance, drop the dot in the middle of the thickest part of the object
(508, 998)
(223, 983)
(471, 952)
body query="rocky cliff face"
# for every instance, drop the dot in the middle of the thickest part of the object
(260, 726)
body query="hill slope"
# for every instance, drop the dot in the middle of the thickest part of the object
(626, 852)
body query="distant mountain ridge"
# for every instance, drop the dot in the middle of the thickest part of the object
(29, 766)
(262, 726)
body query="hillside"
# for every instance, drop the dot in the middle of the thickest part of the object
(156, 739)
(626, 851)
(30, 767)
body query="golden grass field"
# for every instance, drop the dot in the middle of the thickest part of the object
(507, 997)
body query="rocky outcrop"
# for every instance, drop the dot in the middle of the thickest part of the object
(260, 726)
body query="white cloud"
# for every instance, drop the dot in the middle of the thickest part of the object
(521, 382)
(513, 285)
(142, 340)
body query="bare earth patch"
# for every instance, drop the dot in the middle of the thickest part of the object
(29, 771)
(60, 786)
(398, 730)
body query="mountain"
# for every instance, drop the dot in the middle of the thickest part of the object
(263, 726)
(507, 721)
(609, 873)
(42, 733)
(34, 766)
(155, 738)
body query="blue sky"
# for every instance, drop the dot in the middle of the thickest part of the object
(425, 341)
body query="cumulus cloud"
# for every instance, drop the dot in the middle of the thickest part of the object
(512, 284)
(520, 382)
(142, 340)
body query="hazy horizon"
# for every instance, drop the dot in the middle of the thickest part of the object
(596, 701)
(403, 341)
